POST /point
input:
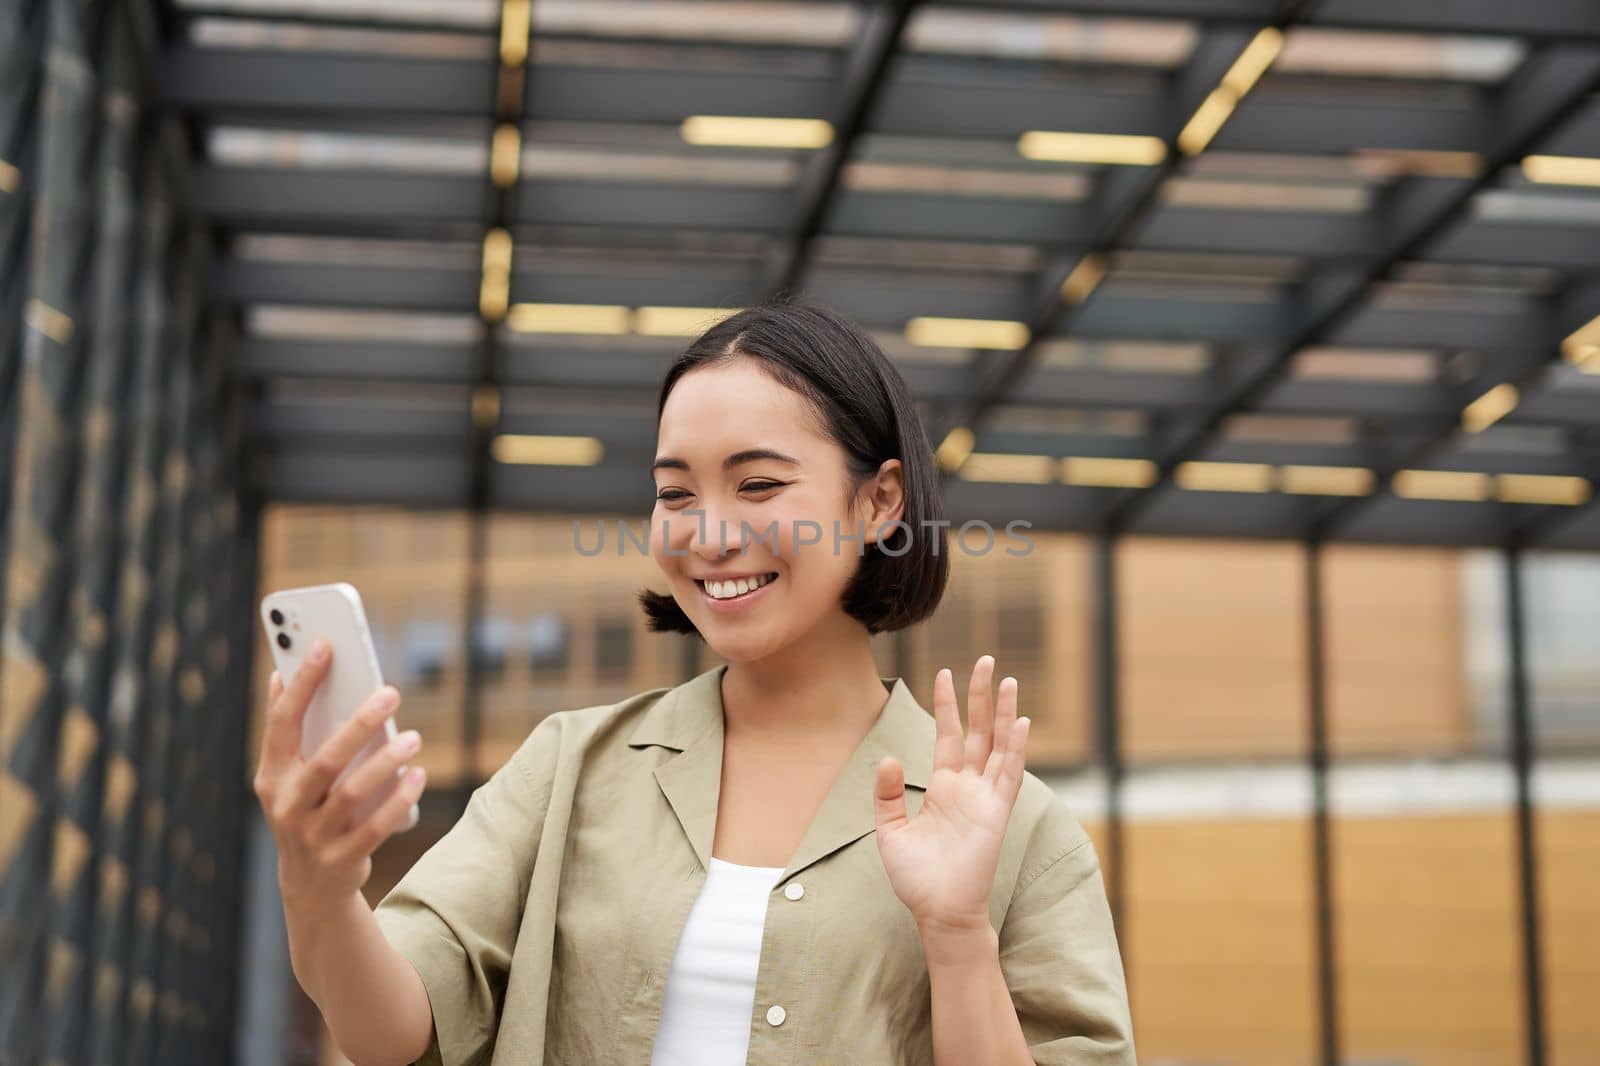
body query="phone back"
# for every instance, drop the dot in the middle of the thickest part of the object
(332, 611)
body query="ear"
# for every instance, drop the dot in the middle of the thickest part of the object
(885, 498)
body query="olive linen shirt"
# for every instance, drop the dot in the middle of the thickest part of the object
(544, 922)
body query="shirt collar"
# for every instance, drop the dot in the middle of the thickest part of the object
(688, 719)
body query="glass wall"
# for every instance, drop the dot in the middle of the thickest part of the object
(1562, 597)
(1424, 854)
(1218, 929)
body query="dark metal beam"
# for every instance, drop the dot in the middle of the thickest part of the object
(1107, 724)
(864, 77)
(360, 203)
(1522, 755)
(924, 95)
(1527, 18)
(884, 299)
(1551, 84)
(1549, 19)
(1325, 948)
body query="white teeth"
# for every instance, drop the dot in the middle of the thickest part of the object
(724, 590)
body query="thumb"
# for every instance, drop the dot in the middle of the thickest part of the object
(889, 794)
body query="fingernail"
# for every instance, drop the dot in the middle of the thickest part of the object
(385, 700)
(408, 742)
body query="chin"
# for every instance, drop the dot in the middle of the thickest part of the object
(739, 647)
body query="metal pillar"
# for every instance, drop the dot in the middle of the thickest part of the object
(1521, 737)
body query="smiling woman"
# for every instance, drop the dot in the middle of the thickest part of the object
(785, 858)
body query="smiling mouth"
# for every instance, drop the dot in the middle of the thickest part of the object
(723, 591)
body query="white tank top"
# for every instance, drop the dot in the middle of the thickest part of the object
(711, 985)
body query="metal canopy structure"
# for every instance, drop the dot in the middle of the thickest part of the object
(1244, 268)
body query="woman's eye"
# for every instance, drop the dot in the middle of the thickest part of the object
(669, 495)
(761, 486)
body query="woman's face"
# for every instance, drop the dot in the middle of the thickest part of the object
(748, 489)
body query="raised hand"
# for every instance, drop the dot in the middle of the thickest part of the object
(942, 862)
(324, 853)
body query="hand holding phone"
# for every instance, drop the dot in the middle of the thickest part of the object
(332, 778)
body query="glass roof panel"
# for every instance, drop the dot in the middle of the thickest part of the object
(1022, 35)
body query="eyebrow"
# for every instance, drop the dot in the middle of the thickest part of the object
(749, 455)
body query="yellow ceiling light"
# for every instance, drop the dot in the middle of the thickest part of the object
(1218, 105)
(1084, 279)
(1223, 477)
(497, 251)
(42, 318)
(678, 321)
(955, 448)
(1100, 472)
(1206, 121)
(1562, 169)
(1116, 149)
(1489, 408)
(494, 292)
(739, 131)
(932, 332)
(505, 155)
(1543, 489)
(569, 318)
(1326, 480)
(1441, 485)
(530, 448)
(515, 20)
(1002, 466)
(1253, 62)
(1583, 344)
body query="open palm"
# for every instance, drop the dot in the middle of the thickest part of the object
(942, 863)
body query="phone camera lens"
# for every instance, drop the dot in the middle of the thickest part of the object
(277, 617)
(283, 640)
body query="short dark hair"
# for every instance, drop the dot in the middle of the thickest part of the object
(864, 405)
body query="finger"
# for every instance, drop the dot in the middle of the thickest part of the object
(377, 772)
(889, 795)
(280, 745)
(1005, 718)
(1009, 782)
(947, 723)
(980, 715)
(310, 785)
(390, 817)
(274, 687)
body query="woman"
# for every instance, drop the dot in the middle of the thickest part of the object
(785, 859)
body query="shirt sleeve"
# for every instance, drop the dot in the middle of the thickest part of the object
(454, 915)
(1058, 950)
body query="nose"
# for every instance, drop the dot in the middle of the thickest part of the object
(715, 535)
(706, 534)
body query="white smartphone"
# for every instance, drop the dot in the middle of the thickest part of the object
(294, 619)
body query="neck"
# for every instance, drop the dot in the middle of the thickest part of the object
(825, 684)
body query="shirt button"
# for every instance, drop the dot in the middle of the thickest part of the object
(775, 1015)
(794, 890)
